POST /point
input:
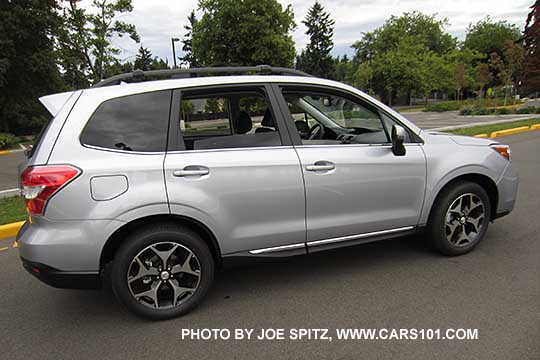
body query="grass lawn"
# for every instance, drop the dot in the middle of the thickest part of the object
(12, 209)
(488, 129)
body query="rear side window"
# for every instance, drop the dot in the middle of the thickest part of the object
(130, 123)
(227, 120)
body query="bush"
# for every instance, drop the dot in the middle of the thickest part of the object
(503, 111)
(7, 140)
(466, 111)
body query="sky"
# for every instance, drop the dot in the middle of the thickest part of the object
(159, 20)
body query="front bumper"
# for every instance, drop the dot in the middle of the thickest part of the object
(508, 187)
(62, 279)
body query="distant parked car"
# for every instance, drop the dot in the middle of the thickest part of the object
(154, 183)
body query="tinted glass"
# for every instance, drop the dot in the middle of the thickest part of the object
(330, 119)
(130, 123)
(230, 120)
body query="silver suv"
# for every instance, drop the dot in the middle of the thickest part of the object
(151, 185)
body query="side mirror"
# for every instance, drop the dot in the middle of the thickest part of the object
(398, 138)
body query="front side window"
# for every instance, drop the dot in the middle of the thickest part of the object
(227, 120)
(330, 119)
(130, 123)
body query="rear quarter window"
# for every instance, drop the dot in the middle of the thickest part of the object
(130, 123)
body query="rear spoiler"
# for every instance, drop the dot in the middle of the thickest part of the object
(55, 102)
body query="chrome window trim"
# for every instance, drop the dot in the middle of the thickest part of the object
(93, 147)
(231, 149)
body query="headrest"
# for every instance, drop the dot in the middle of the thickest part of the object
(242, 123)
(268, 119)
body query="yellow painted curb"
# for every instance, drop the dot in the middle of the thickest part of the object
(505, 106)
(517, 130)
(10, 230)
(535, 127)
(485, 136)
(5, 152)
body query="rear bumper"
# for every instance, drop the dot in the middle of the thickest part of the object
(62, 279)
(70, 246)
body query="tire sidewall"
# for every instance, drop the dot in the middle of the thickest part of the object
(140, 240)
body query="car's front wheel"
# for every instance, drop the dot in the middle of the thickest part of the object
(162, 272)
(459, 218)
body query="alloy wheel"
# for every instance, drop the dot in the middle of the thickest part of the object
(464, 220)
(164, 275)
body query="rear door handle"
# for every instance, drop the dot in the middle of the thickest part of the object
(192, 171)
(321, 166)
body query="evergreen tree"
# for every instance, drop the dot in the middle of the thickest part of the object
(144, 60)
(28, 67)
(316, 58)
(531, 37)
(187, 41)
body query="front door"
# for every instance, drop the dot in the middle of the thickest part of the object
(356, 188)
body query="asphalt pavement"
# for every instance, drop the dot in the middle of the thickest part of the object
(8, 170)
(390, 284)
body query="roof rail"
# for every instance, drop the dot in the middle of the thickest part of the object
(139, 75)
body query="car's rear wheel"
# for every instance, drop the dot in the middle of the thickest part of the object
(459, 218)
(162, 272)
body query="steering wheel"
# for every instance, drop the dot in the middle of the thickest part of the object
(316, 132)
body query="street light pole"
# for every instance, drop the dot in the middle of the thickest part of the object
(173, 40)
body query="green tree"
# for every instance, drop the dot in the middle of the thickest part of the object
(513, 55)
(316, 58)
(399, 55)
(487, 36)
(159, 64)
(143, 60)
(426, 30)
(531, 37)
(248, 32)
(345, 69)
(28, 67)
(363, 76)
(483, 78)
(86, 43)
(187, 42)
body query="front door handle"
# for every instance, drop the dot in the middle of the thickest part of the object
(192, 171)
(321, 166)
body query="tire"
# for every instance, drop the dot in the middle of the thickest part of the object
(140, 279)
(454, 227)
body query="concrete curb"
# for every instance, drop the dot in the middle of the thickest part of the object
(10, 230)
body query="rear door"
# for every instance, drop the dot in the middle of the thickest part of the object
(231, 166)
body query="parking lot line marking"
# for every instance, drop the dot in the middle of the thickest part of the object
(8, 190)
(4, 248)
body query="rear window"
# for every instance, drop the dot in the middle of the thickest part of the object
(130, 123)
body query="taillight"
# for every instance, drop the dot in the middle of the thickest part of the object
(39, 183)
(504, 150)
